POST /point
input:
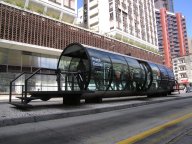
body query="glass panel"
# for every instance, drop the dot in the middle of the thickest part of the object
(171, 79)
(156, 76)
(64, 63)
(53, 62)
(5, 79)
(146, 73)
(101, 75)
(17, 58)
(164, 78)
(170, 74)
(120, 72)
(44, 62)
(14, 58)
(74, 68)
(36, 61)
(72, 4)
(135, 74)
(3, 56)
(43, 83)
(81, 66)
(164, 74)
(26, 60)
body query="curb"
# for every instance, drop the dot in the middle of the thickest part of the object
(38, 118)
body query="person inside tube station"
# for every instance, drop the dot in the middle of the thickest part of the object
(81, 76)
(117, 79)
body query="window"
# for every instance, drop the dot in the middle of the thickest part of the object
(156, 76)
(181, 61)
(56, 1)
(102, 70)
(183, 75)
(70, 4)
(111, 16)
(182, 68)
(135, 74)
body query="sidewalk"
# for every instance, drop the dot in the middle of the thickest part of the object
(54, 109)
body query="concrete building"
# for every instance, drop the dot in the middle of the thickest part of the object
(65, 10)
(172, 35)
(168, 4)
(30, 40)
(80, 17)
(133, 20)
(190, 45)
(182, 68)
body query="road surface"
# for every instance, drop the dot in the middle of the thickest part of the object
(160, 123)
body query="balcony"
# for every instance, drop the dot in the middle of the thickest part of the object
(93, 11)
(94, 21)
(93, 3)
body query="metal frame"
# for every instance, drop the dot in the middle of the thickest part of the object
(11, 84)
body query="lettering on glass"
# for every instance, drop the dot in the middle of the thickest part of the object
(96, 62)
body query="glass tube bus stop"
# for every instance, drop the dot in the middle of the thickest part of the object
(85, 72)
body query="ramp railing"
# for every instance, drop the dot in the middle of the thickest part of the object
(33, 74)
(11, 86)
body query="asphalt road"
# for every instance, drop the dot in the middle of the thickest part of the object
(171, 120)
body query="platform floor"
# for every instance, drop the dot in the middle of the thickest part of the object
(54, 108)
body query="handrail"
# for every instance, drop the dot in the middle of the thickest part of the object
(74, 74)
(67, 73)
(10, 86)
(26, 80)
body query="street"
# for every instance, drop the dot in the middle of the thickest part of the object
(110, 127)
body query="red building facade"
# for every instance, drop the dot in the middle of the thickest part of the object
(172, 35)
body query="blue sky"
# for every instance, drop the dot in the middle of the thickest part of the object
(183, 6)
(79, 3)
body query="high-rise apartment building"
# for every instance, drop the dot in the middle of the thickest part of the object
(172, 35)
(126, 19)
(168, 4)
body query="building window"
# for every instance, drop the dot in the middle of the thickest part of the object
(70, 4)
(56, 1)
(181, 61)
(182, 68)
(183, 75)
(111, 16)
